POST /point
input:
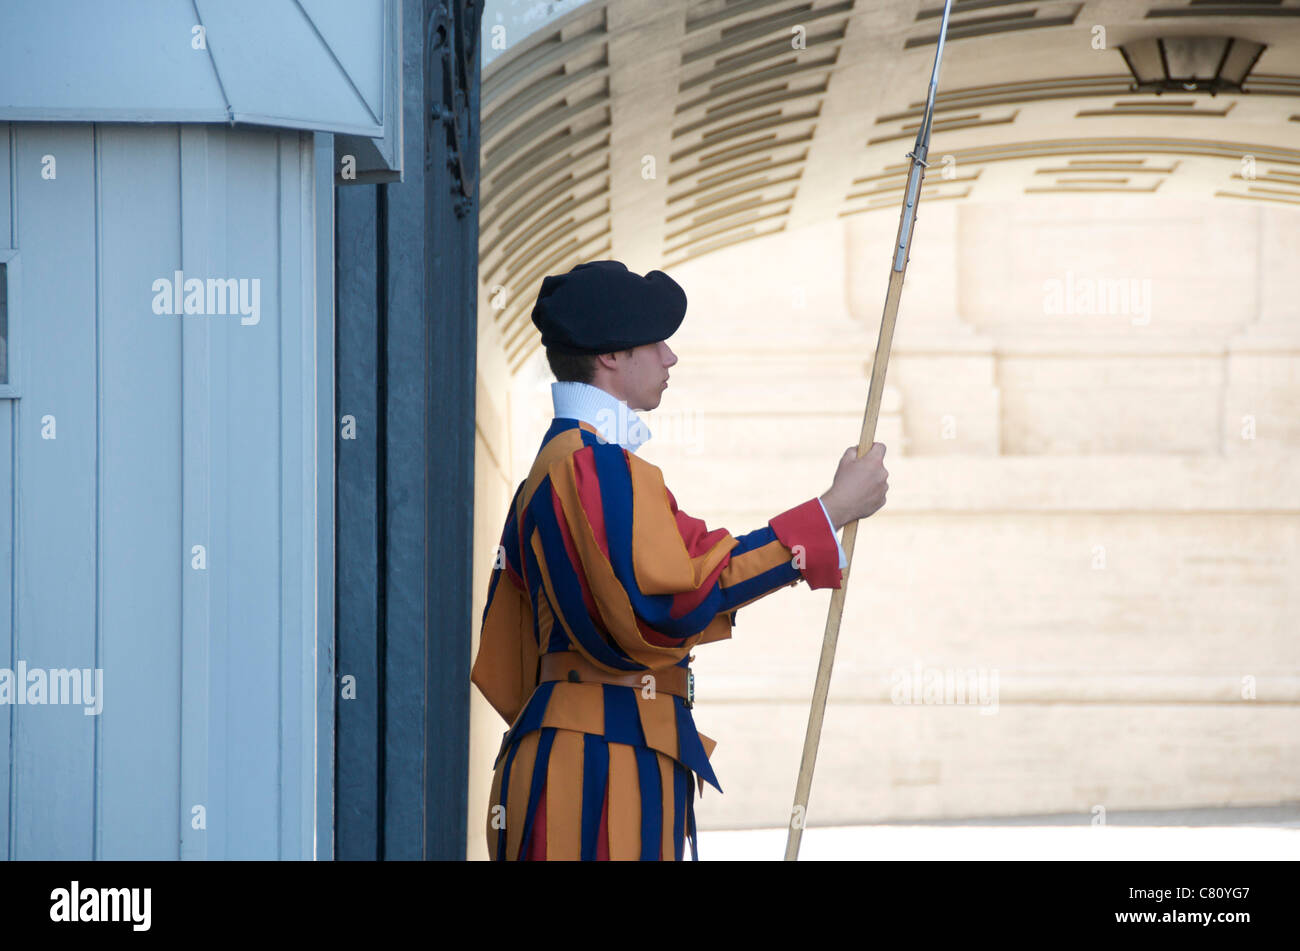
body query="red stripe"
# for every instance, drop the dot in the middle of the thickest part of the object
(578, 567)
(695, 534)
(536, 851)
(652, 636)
(584, 471)
(602, 836)
(806, 525)
(535, 848)
(588, 485)
(699, 541)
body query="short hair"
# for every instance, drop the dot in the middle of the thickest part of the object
(573, 367)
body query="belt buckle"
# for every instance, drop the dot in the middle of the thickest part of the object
(690, 688)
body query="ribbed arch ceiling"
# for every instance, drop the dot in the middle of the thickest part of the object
(657, 132)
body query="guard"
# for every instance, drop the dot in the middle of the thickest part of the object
(603, 587)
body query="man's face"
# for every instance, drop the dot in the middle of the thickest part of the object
(639, 376)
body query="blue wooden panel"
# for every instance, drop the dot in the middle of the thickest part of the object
(361, 527)
(406, 255)
(355, 36)
(57, 619)
(326, 427)
(276, 67)
(203, 226)
(264, 62)
(8, 409)
(7, 235)
(68, 59)
(450, 439)
(297, 355)
(248, 544)
(141, 550)
(173, 431)
(407, 260)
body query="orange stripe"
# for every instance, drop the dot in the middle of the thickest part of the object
(502, 670)
(708, 743)
(574, 643)
(658, 721)
(521, 780)
(719, 629)
(578, 707)
(565, 444)
(564, 799)
(545, 621)
(624, 804)
(494, 800)
(668, 853)
(660, 561)
(611, 598)
(753, 563)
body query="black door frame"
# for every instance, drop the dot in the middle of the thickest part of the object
(405, 361)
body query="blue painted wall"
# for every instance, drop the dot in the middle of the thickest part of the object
(168, 432)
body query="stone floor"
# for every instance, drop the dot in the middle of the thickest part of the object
(1226, 834)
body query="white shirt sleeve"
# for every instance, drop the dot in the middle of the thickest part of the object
(844, 562)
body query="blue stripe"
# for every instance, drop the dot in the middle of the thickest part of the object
(530, 718)
(510, 542)
(752, 541)
(559, 424)
(505, 794)
(689, 748)
(681, 779)
(595, 775)
(562, 424)
(567, 587)
(533, 575)
(622, 720)
(652, 819)
(690, 812)
(617, 502)
(559, 640)
(492, 591)
(535, 789)
(759, 585)
(510, 537)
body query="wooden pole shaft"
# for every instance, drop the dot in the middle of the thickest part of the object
(812, 739)
(897, 271)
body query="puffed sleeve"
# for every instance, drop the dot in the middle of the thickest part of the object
(657, 579)
(505, 669)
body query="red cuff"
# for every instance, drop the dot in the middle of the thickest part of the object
(806, 525)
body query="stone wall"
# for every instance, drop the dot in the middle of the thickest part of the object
(1094, 508)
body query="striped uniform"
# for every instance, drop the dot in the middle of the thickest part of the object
(597, 558)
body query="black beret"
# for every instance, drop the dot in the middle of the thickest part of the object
(601, 307)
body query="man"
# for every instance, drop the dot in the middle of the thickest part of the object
(603, 587)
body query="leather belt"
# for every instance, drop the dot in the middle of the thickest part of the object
(573, 667)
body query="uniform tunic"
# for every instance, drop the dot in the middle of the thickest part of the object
(597, 558)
